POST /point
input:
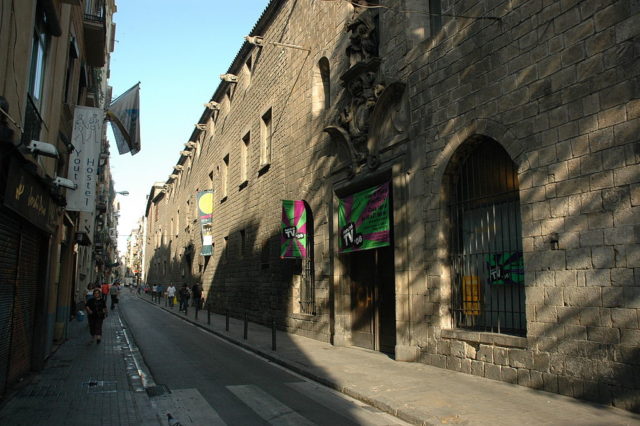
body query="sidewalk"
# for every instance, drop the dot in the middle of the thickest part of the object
(417, 393)
(84, 384)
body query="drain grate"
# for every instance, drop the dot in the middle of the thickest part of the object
(157, 390)
(100, 386)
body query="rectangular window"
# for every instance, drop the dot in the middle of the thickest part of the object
(69, 78)
(224, 176)
(244, 159)
(248, 69)
(36, 76)
(435, 17)
(265, 136)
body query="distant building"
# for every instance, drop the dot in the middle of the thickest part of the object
(498, 143)
(134, 256)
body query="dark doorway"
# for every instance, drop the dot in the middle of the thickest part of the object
(373, 310)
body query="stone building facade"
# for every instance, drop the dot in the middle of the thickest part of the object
(506, 133)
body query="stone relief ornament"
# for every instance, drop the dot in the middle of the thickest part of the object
(363, 41)
(368, 106)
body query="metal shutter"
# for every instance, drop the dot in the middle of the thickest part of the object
(25, 302)
(9, 239)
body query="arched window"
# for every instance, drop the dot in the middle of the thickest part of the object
(486, 240)
(321, 97)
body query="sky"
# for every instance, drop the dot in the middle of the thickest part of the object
(177, 51)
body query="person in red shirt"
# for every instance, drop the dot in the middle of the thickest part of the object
(105, 290)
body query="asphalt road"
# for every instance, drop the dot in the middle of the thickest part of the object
(215, 382)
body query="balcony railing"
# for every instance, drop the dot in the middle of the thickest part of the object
(32, 122)
(95, 31)
(94, 11)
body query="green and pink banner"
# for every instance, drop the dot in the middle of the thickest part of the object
(363, 219)
(293, 238)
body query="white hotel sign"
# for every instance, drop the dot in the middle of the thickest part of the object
(83, 161)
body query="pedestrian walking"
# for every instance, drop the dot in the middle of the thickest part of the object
(96, 308)
(105, 290)
(171, 294)
(89, 294)
(154, 292)
(184, 298)
(160, 293)
(197, 296)
(114, 292)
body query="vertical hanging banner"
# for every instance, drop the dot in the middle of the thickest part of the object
(363, 220)
(293, 238)
(205, 214)
(83, 160)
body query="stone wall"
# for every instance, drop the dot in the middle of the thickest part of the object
(556, 84)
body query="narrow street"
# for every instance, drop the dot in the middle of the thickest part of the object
(230, 384)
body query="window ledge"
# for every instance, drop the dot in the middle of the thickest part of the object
(485, 338)
(302, 316)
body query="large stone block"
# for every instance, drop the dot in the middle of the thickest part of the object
(509, 375)
(492, 371)
(520, 358)
(501, 356)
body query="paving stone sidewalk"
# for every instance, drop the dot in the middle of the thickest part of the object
(84, 383)
(417, 393)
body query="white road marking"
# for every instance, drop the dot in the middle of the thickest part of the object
(188, 407)
(267, 407)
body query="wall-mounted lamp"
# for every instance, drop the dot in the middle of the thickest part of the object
(229, 78)
(212, 105)
(260, 42)
(42, 148)
(65, 183)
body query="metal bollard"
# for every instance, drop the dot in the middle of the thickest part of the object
(246, 326)
(273, 335)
